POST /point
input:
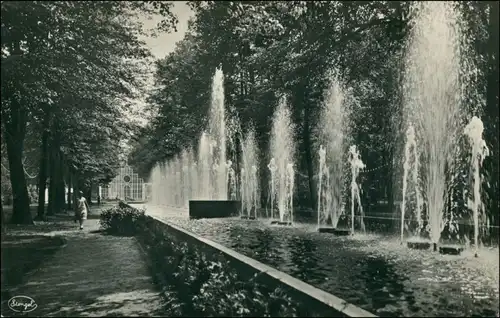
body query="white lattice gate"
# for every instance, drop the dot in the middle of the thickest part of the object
(127, 185)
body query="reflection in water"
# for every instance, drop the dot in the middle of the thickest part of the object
(304, 258)
(371, 272)
(254, 242)
(383, 284)
(235, 238)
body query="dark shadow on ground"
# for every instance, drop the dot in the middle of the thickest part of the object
(21, 255)
(100, 231)
(93, 275)
(94, 209)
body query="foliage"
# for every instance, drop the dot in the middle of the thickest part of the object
(122, 220)
(71, 69)
(33, 195)
(193, 280)
(267, 48)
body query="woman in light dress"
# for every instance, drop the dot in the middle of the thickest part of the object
(82, 209)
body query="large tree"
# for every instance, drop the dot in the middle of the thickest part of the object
(55, 54)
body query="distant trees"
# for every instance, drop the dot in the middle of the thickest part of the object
(68, 71)
(268, 48)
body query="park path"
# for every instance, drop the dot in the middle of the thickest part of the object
(93, 275)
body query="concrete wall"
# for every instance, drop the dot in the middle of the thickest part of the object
(199, 209)
(323, 303)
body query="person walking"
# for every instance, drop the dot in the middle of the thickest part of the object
(82, 209)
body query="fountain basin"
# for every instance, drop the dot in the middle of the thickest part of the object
(202, 209)
(451, 249)
(419, 245)
(318, 302)
(313, 257)
(246, 217)
(283, 223)
(334, 231)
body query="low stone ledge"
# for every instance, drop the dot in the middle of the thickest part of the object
(324, 304)
(201, 209)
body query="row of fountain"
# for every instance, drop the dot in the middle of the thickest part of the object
(433, 108)
(206, 174)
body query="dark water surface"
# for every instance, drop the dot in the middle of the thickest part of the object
(372, 272)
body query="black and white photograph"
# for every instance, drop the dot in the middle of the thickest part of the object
(250, 159)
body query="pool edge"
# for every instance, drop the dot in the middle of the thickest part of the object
(299, 286)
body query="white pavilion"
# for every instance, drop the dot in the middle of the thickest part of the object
(127, 185)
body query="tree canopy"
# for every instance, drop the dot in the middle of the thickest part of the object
(267, 48)
(69, 72)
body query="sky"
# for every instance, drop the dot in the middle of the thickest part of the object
(164, 43)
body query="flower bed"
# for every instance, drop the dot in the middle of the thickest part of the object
(197, 282)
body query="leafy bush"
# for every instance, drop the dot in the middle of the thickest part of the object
(33, 194)
(122, 220)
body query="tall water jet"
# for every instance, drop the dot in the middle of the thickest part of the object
(272, 183)
(234, 139)
(192, 175)
(474, 133)
(356, 166)
(231, 180)
(204, 165)
(250, 186)
(432, 99)
(244, 192)
(411, 148)
(334, 125)
(290, 174)
(177, 186)
(156, 189)
(255, 188)
(194, 181)
(167, 179)
(162, 198)
(321, 192)
(186, 178)
(185, 182)
(217, 132)
(283, 152)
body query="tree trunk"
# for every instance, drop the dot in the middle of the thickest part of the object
(56, 173)
(21, 213)
(60, 193)
(15, 121)
(70, 186)
(89, 193)
(42, 175)
(15, 132)
(52, 183)
(3, 216)
(76, 188)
